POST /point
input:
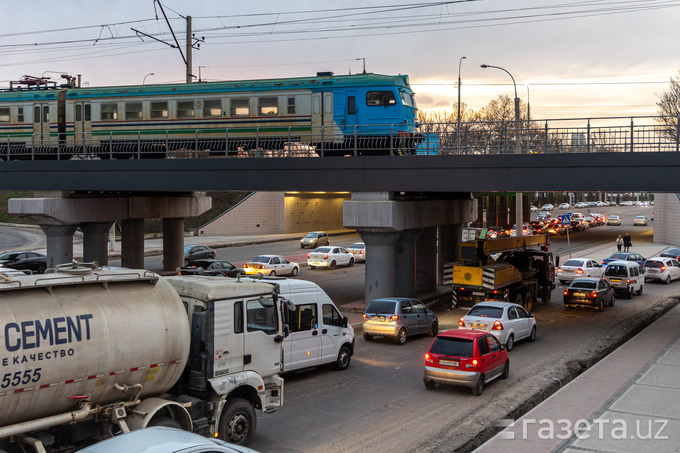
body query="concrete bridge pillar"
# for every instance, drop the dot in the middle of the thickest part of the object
(173, 243)
(132, 243)
(94, 242)
(426, 260)
(59, 243)
(379, 274)
(405, 264)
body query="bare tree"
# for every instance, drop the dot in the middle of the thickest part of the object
(669, 108)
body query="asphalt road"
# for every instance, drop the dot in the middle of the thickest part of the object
(12, 238)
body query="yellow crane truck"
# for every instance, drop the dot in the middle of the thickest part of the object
(514, 269)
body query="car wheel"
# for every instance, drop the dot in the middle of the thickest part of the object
(639, 293)
(344, 357)
(351, 262)
(43, 267)
(630, 294)
(166, 422)
(238, 421)
(272, 274)
(312, 267)
(532, 335)
(294, 272)
(613, 301)
(506, 370)
(429, 384)
(479, 388)
(668, 279)
(401, 336)
(434, 329)
(332, 266)
(302, 246)
(510, 343)
(186, 262)
(368, 336)
(600, 305)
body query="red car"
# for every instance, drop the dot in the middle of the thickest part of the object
(470, 358)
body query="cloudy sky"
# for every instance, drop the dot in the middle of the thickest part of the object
(569, 58)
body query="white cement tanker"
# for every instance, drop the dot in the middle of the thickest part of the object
(87, 353)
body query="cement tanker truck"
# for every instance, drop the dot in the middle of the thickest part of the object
(87, 353)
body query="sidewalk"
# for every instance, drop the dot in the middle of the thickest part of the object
(627, 402)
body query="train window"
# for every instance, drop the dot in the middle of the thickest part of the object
(380, 98)
(407, 99)
(185, 109)
(4, 115)
(46, 114)
(291, 106)
(133, 110)
(20, 115)
(88, 112)
(79, 112)
(36, 114)
(351, 105)
(212, 108)
(268, 106)
(159, 110)
(109, 111)
(240, 107)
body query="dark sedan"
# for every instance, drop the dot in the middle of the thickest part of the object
(671, 253)
(626, 256)
(589, 292)
(32, 261)
(197, 252)
(213, 267)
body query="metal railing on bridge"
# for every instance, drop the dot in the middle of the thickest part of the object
(586, 135)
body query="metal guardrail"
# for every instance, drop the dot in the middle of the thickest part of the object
(638, 134)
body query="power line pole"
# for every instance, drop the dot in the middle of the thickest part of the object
(189, 46)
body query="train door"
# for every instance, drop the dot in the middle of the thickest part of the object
(82, 122)
(351, 109)
(41, 124)
(322, 114)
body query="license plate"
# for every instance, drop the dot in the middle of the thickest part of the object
(479, 326)
(616, 280)
(449, 362)
(653, 271)
(475, 293)
(379, 318)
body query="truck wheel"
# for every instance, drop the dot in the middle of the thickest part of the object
(238, 422)
(545, 298)
(344, 357)
(166, 422)
(518, 299)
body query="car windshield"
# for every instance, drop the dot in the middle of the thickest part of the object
(381, 306)
(8, 256)
(573, 263)
(456, 347)
(323, 250)
(654, 264)
(487, 312)
(673, 252)
(616, 270)
(583, 284)
(261, 259)
(357, 245)
(310, 235)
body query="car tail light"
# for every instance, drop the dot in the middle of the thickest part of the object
(628, 282)
(471, 363)
(593, 294)
(497, 325)
(325, 257)
(429, 358)
(566, 292)
(365, 317)
(308, 255)
(361, 252)
(663, 268)
(261, 266)
(579, 271)
(461, 322)
(559, 269)
(394, 318)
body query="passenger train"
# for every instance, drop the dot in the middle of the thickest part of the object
(330, 114)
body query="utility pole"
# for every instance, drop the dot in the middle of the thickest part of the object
(189, 45)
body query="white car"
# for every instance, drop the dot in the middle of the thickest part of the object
(640, 220)
(271, 265)
(358, 249)
(662, 268)
(564, 206)
(533, 208)
(547, 207)
(330, 257)
(613, 220)
(579, 267)
(506, 321)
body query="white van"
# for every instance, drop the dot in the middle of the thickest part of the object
(626, 277)
(319, 334)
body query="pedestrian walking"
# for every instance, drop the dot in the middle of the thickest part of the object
(627, 244)
(619, 243)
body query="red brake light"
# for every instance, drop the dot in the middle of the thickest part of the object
(627, 282)
(308, 255)
(471, 363)
(261, 266)
(394, 318)
(566, 292)
(559, 269)
(593, 294)
(579, 271)
(361, 252)
(663, 268)
(461, 322)
(497, 325)
(365, 317)
(325, 256)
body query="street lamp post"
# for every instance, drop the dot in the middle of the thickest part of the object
(458, 129)
(519, 218)
(144, 80)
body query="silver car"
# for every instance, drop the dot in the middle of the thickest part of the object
(579, 267)
(506, 321)
(399, 317)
